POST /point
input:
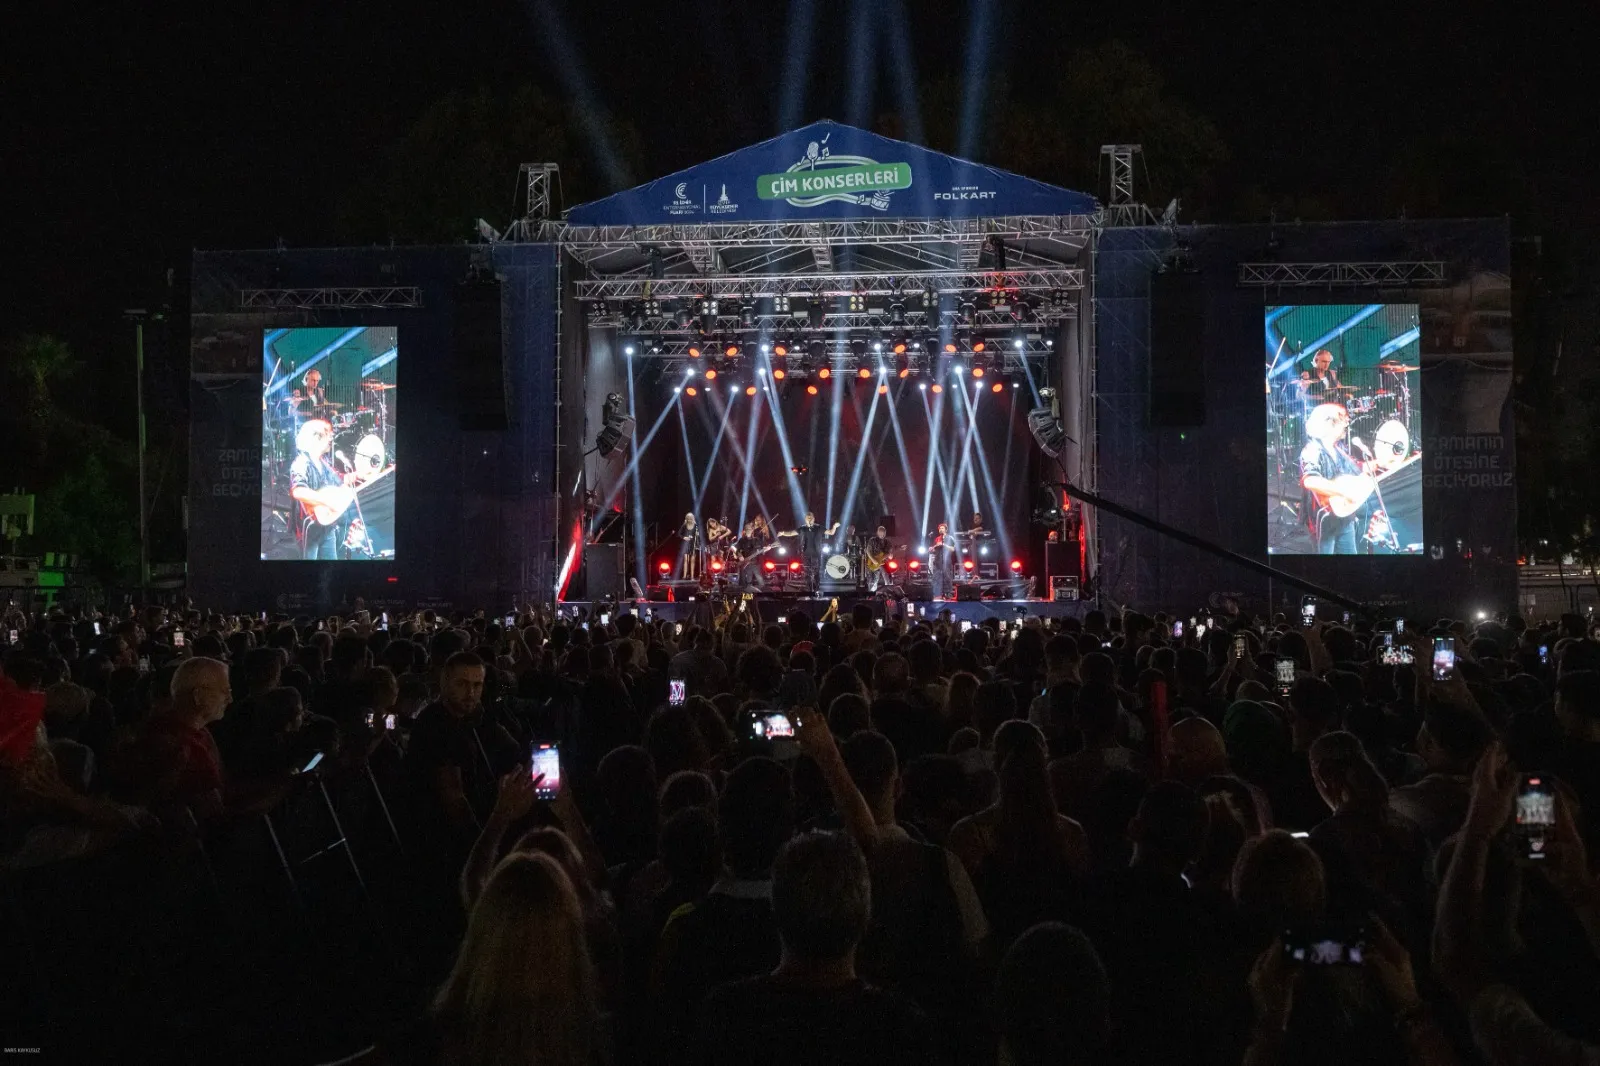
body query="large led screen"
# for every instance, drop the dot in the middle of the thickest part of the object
(1344, 420)
(330, 405)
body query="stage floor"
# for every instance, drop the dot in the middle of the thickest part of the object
(769, 609)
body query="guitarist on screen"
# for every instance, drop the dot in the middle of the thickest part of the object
(313, 483)
(1337, 487)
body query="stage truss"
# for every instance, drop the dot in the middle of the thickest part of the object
(1398, 274)
(379, 297)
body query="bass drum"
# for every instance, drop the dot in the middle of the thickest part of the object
(1391, 444)
(369, 457)
(837, 567)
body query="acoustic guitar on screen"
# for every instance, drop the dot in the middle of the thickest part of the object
(1351, 491)
(338, 498)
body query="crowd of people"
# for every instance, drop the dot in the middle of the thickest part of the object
(871, 839)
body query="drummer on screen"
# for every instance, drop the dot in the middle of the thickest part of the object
(1321, 382)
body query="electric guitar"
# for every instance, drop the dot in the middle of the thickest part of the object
(875, 560)
(342, 496)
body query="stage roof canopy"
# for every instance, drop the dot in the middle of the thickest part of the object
(827, 199)
(829, 171)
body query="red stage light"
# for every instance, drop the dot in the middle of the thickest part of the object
(977, 345)
(778, 373)
(731, 351)
(863, 373)
(893, 566)
(794, 566)
(915, 564)
(749, 390)
(977, 371)
(716, 566)
(937, 387)
(711, 375)
(664, 566)
(966, 564)
(997, 387)
(883, 390)
(692, 391)
(811, 390)
(1016, 565)
(824, 373)
(769, 566)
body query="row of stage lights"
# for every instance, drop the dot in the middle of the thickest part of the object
(712, 376)
(900, 345)
(794, 566)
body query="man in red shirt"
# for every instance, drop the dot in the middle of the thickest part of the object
(177, 761)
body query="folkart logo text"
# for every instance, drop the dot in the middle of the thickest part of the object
(822, 177)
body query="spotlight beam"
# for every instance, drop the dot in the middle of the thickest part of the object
(639, 560)
(835, 414)
(775, 405)
(797, 63)
(861, 458)
(633, 464)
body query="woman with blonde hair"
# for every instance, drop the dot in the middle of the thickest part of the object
(522, 990)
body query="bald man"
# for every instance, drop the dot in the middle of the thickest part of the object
(177, 765)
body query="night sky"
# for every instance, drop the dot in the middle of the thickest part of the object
(134, 133)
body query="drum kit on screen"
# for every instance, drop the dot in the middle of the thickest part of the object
(1378, 415)
(359, 431)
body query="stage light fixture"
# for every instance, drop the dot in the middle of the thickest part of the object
(899, 346)
(883, 390)
(816, 351)
(711, 374)
(794, 566)
(677, 388)
(778, 373)
(692, 391)
(766, 348)
(997, 387)
(893, 565)
(968, 312)
(915, 564)
(769, 566)
(877, 344)
(903, 373)
(655, 346)
(967, 564)
(749, 390)
(811, 390)
(694, 349)
(950, 348)
(863, 373)
(664, 566)
(858, 347)
(923, 386)
(977, 371)
(1016, 566)
(716, 566)
(747, 316)
(629, 348)
(897, 311)
(958, 369)
(731, 350)
(938, 387)
(780, 349)
(825, 373)
(978, 344)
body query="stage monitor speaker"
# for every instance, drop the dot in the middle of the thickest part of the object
(1063, 588)
(613, 435)
(919, 590)
(969, 592)
(480, 366)
(1177, 349)
(603, 566)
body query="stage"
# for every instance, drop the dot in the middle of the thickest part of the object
(769, 609)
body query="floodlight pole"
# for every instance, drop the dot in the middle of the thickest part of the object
(137, 316)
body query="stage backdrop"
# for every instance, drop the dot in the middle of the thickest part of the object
(1209, 478)
(848, 453)
(473, 520)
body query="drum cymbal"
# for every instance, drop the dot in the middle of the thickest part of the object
(326, 406)
(377, 386)
(1398, 368)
